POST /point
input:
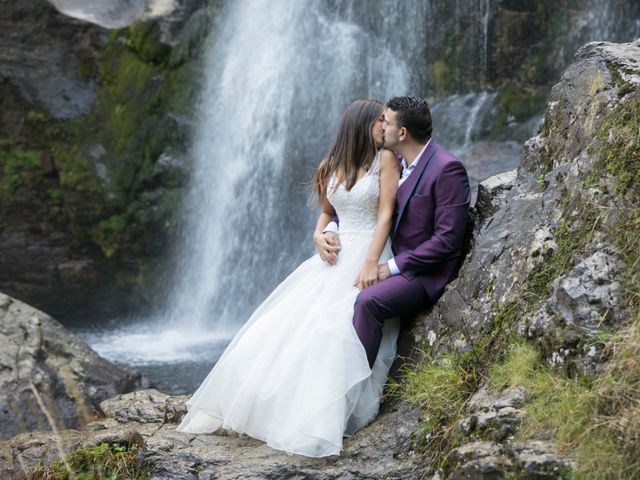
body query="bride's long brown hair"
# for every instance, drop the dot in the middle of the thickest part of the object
(353, 149)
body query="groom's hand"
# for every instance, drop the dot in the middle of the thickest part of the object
(383, 271)
(328, 246)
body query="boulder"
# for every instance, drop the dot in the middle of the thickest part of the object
(49, 378)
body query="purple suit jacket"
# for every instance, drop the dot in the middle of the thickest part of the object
(431, 219)
(429, 224)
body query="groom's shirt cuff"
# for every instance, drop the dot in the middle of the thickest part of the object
(331, 227)
(393, 268)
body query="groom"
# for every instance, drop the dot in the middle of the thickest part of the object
(428, 230)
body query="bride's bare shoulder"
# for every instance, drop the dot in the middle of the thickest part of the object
(389, 160)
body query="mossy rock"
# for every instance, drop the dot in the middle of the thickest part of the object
(517, 104)
(143, 39)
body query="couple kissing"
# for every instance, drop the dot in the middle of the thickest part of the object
(310, 364)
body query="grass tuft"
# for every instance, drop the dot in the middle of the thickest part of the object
(441, 390)
(103, 461)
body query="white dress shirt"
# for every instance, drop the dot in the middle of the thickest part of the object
(406, 171)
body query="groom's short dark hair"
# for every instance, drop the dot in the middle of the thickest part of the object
(414, 115)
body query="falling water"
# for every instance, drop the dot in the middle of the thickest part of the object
(485, 39)
(456, 118)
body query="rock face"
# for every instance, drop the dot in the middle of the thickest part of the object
(90, 167)
(382, 450)
(542, 259)
(42, 55)
(489, 450)
(49, 376)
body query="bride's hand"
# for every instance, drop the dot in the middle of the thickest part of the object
(368, 276)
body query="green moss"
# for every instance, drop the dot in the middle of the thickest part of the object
(142, 38)
(82, 193)
(620, 142)
(442, 77)
(34, 116)
(110, 234)
(533, 68)
(522, 103)
(596, 421)
(624, 87)
(518, 103)
(103, 461)
(19, 169)
(121, 139)
(570, 241)
(122, 97)
(617, 152)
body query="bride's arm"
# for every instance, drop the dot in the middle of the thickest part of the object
(327, 250)
(389, 176)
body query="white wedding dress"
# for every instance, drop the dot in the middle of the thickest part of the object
(296, 375)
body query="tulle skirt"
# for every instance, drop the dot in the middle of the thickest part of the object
(296, 375)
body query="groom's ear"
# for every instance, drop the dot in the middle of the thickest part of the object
(403, 134)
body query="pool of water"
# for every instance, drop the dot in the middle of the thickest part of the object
(175, 359)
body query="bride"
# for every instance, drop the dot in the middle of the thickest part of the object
(296, 375)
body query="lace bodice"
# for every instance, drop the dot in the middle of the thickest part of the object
(357, 208)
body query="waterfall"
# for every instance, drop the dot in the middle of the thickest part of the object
(457, 118)
(485, 40)
(278, 78)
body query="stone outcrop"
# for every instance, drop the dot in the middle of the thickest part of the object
(382, 450)
(489, 450)
(49, 378)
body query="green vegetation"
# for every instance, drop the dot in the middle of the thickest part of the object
(442, 77)
(558, 406)
(441, 390)
(576, 413)
(141, 38)
(97, 176)
(517, 102)
(103, 461)
(20, 169)
(111, 234)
